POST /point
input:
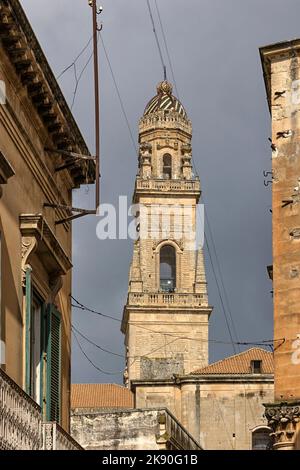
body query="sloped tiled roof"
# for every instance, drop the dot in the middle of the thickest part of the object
(240, 363)
(100, 396)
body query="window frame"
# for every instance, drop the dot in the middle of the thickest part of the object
(168, 167)
(173, 268)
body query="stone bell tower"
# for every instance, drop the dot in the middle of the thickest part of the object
(166, 316)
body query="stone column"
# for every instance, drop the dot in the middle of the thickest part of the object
(283, 419)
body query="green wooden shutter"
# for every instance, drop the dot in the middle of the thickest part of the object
(28, 298)
(53, 364)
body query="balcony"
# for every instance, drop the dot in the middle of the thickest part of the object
(168, 186)
(21, 426)
(163, 299)
(20, 417)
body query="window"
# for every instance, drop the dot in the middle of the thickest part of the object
(167, 268)
(256, 367)
(36, 348)
(167, 166)
(261, 439)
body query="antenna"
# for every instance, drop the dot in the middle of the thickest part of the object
(165, 73)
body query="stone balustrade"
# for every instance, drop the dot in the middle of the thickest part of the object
(21, 426)
(20, 417)
(167, 299)
(55, 438)
(167, 185)
(161, 119)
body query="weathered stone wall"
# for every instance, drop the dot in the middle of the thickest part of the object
(219, 412)
(129, 430)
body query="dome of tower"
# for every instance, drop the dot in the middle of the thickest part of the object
(164, 100)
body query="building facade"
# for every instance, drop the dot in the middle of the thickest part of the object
(36, 247)
(282, 79)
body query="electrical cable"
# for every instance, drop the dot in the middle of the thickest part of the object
(167, 48)
(75, 60)
(95, 344)
(119, 94)
(156, 36)
(242, 343)
(91, 362)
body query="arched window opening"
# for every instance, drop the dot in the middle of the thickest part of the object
(167, 268)
(167, 166)
(261, 439)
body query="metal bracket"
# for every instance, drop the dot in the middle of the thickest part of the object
(80, 212)
(76, 156)
(286, 203)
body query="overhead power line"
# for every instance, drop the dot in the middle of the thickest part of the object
(166, 47)
(91, 362)
(242, 343)
(156, 38)
(119, 95)
(83, 307)
(75, 60)
(95, 344)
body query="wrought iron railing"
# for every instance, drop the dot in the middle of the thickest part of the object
(20, 417)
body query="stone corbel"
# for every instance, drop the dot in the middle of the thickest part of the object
(29, 245)
(37, 237)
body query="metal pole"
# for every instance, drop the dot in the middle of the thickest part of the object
(97, 105)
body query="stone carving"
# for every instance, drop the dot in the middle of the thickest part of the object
(295, 233)
(186, 150)
(145, 149)
(283, 419)
(164, 87)
(29, 245)
(167, 144)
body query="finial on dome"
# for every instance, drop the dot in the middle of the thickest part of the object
(164, 87)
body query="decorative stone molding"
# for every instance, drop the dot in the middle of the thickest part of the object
(145, 149)
(283, 419)
(6, 171)
(38, 237)
(167, 144)
(29, 245)
(186, 150)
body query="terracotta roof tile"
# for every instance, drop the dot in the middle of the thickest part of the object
(240, 363)
(100, 396)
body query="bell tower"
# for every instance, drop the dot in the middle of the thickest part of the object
(165, 320)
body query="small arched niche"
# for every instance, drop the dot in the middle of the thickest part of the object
(167, 268)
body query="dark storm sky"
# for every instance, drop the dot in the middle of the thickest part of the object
(214, 48)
